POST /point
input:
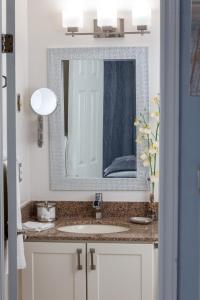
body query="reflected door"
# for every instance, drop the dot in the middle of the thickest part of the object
(85, 111)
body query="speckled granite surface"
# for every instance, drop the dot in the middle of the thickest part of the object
(70, 209)
(118, 213)
(136, 233)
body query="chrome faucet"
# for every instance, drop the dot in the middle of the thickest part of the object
(97, 205)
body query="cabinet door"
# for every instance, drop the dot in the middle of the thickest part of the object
(120, 271)
(52, 272)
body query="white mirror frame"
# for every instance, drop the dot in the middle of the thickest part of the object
(57, 166)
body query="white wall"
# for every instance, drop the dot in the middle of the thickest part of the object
(45, 31)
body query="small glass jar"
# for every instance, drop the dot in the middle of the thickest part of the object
(46, 211)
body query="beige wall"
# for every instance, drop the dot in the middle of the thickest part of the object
(45, 31)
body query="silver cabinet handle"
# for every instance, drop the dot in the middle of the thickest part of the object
(79, 266)
(92, 252)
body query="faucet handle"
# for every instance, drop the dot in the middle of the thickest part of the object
(98, 200)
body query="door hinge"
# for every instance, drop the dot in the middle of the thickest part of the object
(7, 43)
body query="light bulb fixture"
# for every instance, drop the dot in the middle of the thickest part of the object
(108, 31)
(106, 15)
(72, 19)
(107, 25)
(141, 15)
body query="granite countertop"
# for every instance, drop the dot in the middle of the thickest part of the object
(136, 233)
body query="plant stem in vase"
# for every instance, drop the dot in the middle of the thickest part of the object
(148, 126)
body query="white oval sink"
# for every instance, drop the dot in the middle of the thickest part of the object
(93, 229)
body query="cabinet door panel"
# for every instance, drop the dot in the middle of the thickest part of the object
(52, 272)
(123, 271)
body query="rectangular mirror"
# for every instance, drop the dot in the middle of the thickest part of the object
(99, 112)
(92, 134)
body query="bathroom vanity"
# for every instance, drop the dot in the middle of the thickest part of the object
(84, 266)
(89, 270)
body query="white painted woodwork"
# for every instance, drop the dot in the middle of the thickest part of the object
(123, 272)
(85, 128)
(156, 274)
(51, 272)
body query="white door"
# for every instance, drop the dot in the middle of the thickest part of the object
(120, 272)
(55, 271)
(85, 126)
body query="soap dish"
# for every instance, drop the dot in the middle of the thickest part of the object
(140, 220)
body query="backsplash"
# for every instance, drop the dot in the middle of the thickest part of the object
(71, 209)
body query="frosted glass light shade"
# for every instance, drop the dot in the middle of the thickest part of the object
(106, 15)
(141, 13)
(72, 17)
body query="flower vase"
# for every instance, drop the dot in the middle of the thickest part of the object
(152, 208)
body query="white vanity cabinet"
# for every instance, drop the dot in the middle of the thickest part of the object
(102, 271)
(120, 271)
(53, 273)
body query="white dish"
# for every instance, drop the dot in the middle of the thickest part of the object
(93, 229)
(141, 220)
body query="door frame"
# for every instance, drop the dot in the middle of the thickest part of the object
(168, 226)
(169, 149)
(11, 157)
(2, 271)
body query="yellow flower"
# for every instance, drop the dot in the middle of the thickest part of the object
(146, 129)
(155, 100)
(145, 136)
(136, 123)
(155, 115)
(138, 141)
(141, 129)
(153, 150)
(146, 163)
(156, 144)
(154, 178)
(143, 156)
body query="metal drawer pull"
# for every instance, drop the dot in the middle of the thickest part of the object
(79, 266)
(92, 252)
(5, 84)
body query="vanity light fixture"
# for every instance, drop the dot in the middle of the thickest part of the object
(141, 15)
(108, 26)
(106, 15)
(72, 19)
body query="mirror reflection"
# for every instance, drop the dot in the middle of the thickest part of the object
(99, 112)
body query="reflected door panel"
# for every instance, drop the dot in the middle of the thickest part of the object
(85, 111)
